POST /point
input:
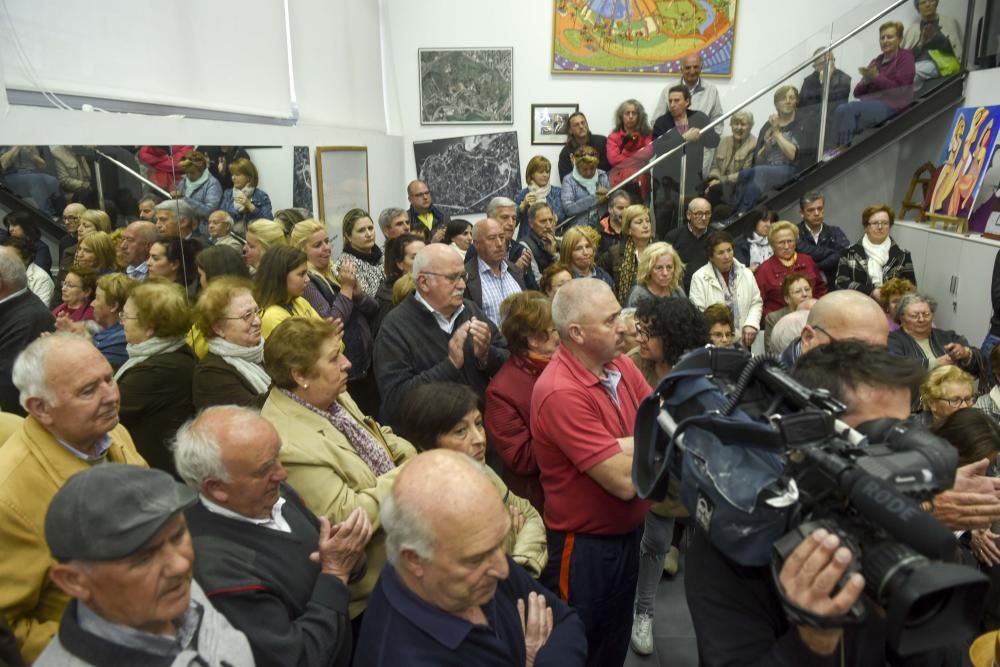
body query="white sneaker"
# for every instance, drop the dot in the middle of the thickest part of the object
(642, 634)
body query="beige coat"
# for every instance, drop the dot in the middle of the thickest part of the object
(528, 546)
(33, 466)
(331, 477)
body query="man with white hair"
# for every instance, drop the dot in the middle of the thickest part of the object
(137, 239)
(269, 565)
(23, 318)
(491, 277)
(176, 217)
(583, 411)
(436, 335)
(704, 98)
(68, 389)
(449, 594)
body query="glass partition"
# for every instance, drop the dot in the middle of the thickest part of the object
(808, 106)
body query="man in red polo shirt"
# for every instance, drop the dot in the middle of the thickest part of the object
(582, 420)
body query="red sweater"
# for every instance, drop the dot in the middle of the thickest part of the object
(771, 273)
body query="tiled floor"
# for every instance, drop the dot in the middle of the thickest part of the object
(673, 633)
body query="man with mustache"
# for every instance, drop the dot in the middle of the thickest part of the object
(124, 555)
(67, 388)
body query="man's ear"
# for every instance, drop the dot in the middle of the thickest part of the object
(807, 338)
(40, 410)
(72, 579)
(215, 491)
(412, 563)
(575, 332)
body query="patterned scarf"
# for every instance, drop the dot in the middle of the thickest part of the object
(729, 292)
(363, 442)
(628, 272)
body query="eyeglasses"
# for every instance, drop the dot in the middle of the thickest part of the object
(425, 193)
(641, 332)
(450, 277)
(826, 333)
(248, 316)
(71, 218)
(919, 315)
(722, 336)
(877, 223)
(699, 214)
(123, 316)
(958, 401)
(71, 285)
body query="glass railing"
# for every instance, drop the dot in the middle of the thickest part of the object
(807, 106)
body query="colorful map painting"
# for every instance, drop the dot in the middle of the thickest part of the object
(642, 36)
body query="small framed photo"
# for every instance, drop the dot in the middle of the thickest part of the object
(550, 123)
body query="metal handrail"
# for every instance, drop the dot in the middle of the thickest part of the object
(760, 93)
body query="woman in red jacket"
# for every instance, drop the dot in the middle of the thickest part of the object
(532, 339)
(771, 273)
(630, 146)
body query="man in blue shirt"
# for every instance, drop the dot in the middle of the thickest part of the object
(449, 595)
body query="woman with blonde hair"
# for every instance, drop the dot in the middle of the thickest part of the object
(339, 296)
(579, 250)
(337, 458)
(93, 220)
(155, 382)
(261, 236)
(622, 261)
(946, 390)
(661, 273)
(96, 250)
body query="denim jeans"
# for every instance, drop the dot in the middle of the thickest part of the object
(656, 537)
(854, 117)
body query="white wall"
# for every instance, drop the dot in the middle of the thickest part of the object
(772, 36)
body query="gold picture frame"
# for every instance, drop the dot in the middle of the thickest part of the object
(341, 183)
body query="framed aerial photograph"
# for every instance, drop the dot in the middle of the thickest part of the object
(550, 123)
(643, 38)
(341, 183)
(465, 173)
(466, 86)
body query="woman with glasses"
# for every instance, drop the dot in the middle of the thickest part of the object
(872, 261)
(719, 321)
(917, 337)
(232, 372)
(155, 382)
(786, 260)
(946, 390)
(339, 296)
(666, 328)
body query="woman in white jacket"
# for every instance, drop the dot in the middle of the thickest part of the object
(725, 280)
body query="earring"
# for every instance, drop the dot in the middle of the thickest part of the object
(305, 386)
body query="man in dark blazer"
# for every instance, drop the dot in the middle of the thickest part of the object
(491, 277)
(23, 318)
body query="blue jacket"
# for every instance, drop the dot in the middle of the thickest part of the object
(206, 198)
(576, 200)
(260, 200)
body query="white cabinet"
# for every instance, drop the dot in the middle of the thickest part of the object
(957, 271)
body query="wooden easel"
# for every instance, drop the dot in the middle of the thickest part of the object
(923, 176)
(961, 225)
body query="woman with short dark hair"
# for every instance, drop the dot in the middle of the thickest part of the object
(245, 202)
(724, 280)
(448, 415)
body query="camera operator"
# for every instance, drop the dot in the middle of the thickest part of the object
(737, 611)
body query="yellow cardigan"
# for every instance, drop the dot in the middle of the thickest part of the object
(331, 477)
(275, 315)
(33, 466)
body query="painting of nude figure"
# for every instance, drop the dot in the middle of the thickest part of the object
(972, 141)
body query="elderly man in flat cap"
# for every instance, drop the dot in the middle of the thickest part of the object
(124, 555)
(68, 389)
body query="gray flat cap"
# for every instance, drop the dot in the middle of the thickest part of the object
(111, 510)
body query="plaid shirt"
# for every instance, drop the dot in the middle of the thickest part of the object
(852, 272)
(495, 290)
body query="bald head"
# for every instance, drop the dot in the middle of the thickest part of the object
(691, 69)
(419, 516)
(574, 302)
(845, 315)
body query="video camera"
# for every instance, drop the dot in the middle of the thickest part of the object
(763, 461)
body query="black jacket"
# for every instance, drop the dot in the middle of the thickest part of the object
(826, 253)
(903, 344)
(216, 382)
(23, 318)
(852, 270)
